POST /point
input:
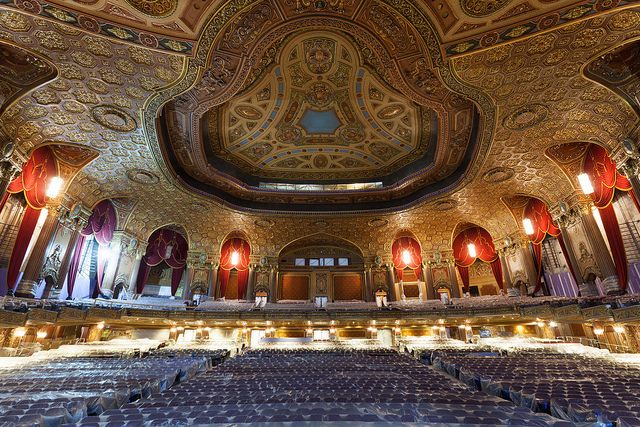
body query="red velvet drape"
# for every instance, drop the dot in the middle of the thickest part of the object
(537, 259)
(485, 251)
(411, 246)
(464, 275)
(32, 182)
(224, 280)
(243, 250)
(612, 230)
(74, 265)
(27, 226)
(496, 269)
(605, 179)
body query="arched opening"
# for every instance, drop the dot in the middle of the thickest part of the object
(321, 265)
(162, 267)
(234, 268)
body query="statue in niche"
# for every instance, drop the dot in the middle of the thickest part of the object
(52, 262)
(321, 284)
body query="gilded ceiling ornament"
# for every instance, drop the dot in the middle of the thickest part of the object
(498, 174)
(142, 176)
(114, 118)
(155, 8)
(526, 117)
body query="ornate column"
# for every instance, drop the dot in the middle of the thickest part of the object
(506, 276)
(120, 240)
(391, 295)
(368, 283)
(8, 172)
(213, 280)
(273, 284)
(601, 253)
(572, 259)
(428, 278)
(453, 279)
(32, 272)
(139, 251)
(250, 283)
(77, 224)
(628, 162)
(529, 265)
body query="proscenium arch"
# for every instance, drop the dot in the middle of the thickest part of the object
(584, 72)
(195, 69)
(340, 243)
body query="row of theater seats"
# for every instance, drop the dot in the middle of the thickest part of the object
(73, 382)
(573, 387)
(332, 385)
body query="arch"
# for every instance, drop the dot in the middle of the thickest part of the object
(234, 234)
(617, 69)
(21, 71)
(319, 239)
(179, 228)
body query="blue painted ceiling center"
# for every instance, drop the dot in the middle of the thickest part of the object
(320, 122)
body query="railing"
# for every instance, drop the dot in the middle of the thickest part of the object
(592, 342)
(8, 235)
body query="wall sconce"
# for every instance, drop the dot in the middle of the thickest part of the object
(528, 226)
(585, 183)
(406, 256)
(471, 248)
(235, 258)
(54, 187)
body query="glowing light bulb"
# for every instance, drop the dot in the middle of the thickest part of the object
(471, 248)
(406, 256)
(20, 332)
(585, 183)
(553, 324)
(618, 329)
(528, 226)
(598, 331)
(54, 187)
(235, 258)
(41, 335)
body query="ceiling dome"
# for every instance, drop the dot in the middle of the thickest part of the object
(291, 114)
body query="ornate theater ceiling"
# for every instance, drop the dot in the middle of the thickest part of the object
(181, 101)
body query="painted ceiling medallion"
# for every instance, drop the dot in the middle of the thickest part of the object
(445, 205)
(155, 8)
(480, 8)
(319, 114)
(114, 118)
(142, 176)
(526, 117)
(263, 223)
(378, 222)
(498, 174)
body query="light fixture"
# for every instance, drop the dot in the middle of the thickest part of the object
(100, 325)
(20, 332)
(245, 330)
(553, 324)
(309, 331)
(461, 326)
(167, 251)
(173, 330)
(235, 258)
(180, 328)
(528, 226)
(585, 183)
(598, 331)
(406, 256)
(540, 324)
(471, 248)
(397, 330)
(54, 187)
(332, 330)
(618, 329)
(41, 335)
(468, 328)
